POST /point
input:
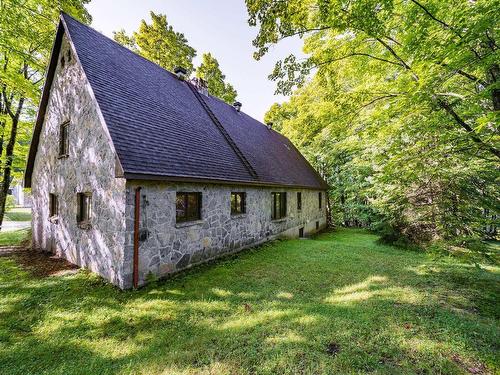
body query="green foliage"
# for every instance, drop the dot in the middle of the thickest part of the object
(159, 43)
(125, 40)
(210, 72)
(14, 238)
(10, 203)
(390, 311)
(397, 104)
(27, 31)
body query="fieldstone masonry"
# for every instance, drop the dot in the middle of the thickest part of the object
(165, 246)
(90, 167)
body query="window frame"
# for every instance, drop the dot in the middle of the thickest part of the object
(299, 201)
(53, 206)
(187, 217)
(64, 140)
(275, 215)
(83, 209)
(241, 208)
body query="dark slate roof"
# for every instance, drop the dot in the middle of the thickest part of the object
(161, 129)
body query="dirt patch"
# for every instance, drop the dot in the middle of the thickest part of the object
(472, 367)
(333, 348)
(39, 263)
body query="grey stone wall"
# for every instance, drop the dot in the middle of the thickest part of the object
(167, 247)
(89, 167)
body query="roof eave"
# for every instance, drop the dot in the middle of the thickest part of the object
(196, 179)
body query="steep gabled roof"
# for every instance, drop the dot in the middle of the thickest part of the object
(161, 128)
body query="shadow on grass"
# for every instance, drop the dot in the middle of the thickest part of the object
(277, 309)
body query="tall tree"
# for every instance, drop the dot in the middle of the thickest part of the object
(209, 71)
(402, 106)
(160, 43)
(27, 31)
(441, 55)
(125, 40)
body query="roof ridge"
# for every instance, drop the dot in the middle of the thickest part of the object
(226, 135)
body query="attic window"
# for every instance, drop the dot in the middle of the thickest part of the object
(63, 62)
(69, 56)
(64, 140)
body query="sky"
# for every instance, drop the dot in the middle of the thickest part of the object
(216, 26)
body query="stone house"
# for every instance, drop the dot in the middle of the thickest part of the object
(136, 170)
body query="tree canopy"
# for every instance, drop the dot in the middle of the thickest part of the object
(397, 103)
(161, 44)
(210, 72)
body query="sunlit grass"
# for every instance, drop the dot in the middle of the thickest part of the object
(18, 214)
(13, 237)
(273, 310)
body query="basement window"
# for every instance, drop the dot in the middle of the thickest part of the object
(64, 140)
(299, 201)
(84, 209)
(187, 207)
(238, 203)
(53, 206)
(279, 205)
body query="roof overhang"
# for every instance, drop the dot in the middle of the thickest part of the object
(215, 181)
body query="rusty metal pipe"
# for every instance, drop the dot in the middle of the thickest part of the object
(137, 212)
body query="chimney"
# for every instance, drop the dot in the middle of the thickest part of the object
(269, 125)
(200, 85)
(180, 72)
(237, 106)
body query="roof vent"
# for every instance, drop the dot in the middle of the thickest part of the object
(180, 72)
(269, 125)
(237, 106)
(201, 85)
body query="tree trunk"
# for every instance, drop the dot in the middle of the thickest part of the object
(9, 153)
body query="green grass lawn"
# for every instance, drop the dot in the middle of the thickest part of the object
(339, 303)
(18, 214)
(13, 238)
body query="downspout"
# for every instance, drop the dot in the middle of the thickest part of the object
(137, 212)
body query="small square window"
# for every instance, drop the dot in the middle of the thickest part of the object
(53, 205)
(279, 206)
(188, 207)
(84, 208)
(299, 201)
(238, 203)
(64, 140)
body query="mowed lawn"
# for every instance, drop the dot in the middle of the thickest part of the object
(339, 303)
